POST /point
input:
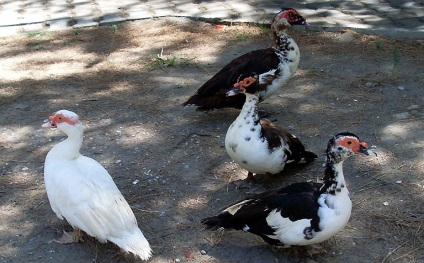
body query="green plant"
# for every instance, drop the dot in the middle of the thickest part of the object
(165, 61)
(36, 34)
(76, 31)
(40, 47)
(396, 57)
(312, 72)
(379, 45)
(114, 29)
(262, 26)
(242, 36)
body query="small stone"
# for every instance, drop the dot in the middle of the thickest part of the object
(386, 203)
(413, 107)
(402, 115)
(118, 161)
(203, 252)
(21, 106)
(177, 260)
(401, 88)
(398, 182)
(370, 84)
(135, 182)
(346, 37)
(25, 169)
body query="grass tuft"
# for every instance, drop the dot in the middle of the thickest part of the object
(379, 45)
(162, 61)
(396, 58)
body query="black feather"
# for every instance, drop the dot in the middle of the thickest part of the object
(254, 212)
(212, 94)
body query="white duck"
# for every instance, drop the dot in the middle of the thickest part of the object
(301, 213)
(82, 191)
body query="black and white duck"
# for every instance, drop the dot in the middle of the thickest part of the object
(256, 144)
(274, 65)
(302, 213)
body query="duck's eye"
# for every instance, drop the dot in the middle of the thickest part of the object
(59, 118)
(349, 142)
(247, 82)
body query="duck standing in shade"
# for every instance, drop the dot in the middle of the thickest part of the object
(301, 213)
(82, 191)
(256, 144)
(275, 66)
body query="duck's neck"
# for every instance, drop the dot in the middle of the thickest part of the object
(287, 49)
(67, 149)
(279, 37)
(249, 112)
(334, 180)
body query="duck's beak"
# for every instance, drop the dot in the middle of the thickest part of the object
(363, 149)
(235, 90)
(306, 24)
(232, 92)
(49, 123)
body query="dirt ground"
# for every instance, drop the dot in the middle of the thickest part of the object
(170, 162)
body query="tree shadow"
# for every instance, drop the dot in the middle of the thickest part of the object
(170, 162)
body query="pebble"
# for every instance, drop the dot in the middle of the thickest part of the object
(346, 37)
(402, 115)
(401, 88)
(203, 252)
(398, 182)
(413, 107)
(177, 260)
(21, 106)
(370, 84)
(386, 203)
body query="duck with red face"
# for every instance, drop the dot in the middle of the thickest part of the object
(82, 191)
(303, 213)
(274, 67)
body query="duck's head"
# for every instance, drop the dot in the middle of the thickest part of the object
(346, 144)
(286, 18)
(246, 83)
(65, 121)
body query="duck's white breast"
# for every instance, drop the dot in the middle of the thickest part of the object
(245, 146)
